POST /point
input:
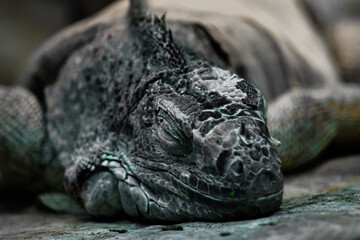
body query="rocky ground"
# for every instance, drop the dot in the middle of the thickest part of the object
(320, 203)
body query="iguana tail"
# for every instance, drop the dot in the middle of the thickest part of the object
(307, 121)
(25, 153)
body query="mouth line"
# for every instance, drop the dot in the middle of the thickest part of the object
(270, 195)
(186, 189)
(230, 200)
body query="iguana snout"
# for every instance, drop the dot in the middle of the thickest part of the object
(240, 161)
(240, 150)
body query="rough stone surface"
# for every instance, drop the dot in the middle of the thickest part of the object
(305, 214)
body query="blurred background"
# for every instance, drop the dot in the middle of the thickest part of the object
(24, 24)
(339, 24)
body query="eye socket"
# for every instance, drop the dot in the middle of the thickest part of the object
(171, 136)
(169, 126)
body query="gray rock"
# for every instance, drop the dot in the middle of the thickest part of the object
(305, 214)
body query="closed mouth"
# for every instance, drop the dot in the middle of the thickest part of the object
(270, 196)
(187, 190)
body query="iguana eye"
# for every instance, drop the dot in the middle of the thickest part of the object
(169, 126)
(171, 136)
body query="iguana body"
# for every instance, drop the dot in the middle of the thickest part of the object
(139, 120)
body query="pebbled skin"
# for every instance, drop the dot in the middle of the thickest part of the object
(24, 143)
(144, 126)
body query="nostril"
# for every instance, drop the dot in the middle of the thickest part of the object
(242, 129)
(237, 167)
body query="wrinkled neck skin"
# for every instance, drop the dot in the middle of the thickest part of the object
(182, 139)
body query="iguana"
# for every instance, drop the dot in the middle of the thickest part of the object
(135, 118)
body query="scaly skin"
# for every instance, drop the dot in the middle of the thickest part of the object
(26, 157)
(309, 121)
(143, 127)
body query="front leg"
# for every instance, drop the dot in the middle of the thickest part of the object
(105, 187)
(307, 121)
(90, 183)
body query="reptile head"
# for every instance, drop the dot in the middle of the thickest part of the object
(202, 144)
